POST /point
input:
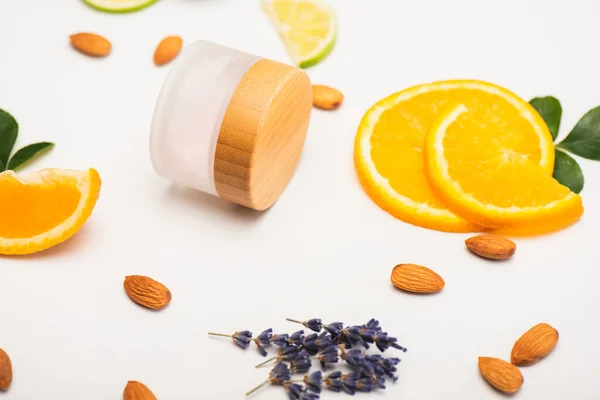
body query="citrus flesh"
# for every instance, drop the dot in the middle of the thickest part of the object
(41, 209)
(307, 27)
(119, 6)
(490, 169)
(389, 146)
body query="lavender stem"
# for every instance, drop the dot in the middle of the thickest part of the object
(218, 334)
(294, 320)
(258, 387)
(265, 362)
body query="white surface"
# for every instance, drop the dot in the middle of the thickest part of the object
(190, 109)
(325, 250)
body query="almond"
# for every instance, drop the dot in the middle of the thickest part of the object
(5, 370)
(147, 292)
(416, 278)
(137, 391)
(500, 374)
(91, 44)
(167, 50)
(534, 344)
(493, 247)
(327, 98)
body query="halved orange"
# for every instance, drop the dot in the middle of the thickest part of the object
(41, 209)
(389, 146)
(486, 167)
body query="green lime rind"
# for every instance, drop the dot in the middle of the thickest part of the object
(317, 58)
(103, 5)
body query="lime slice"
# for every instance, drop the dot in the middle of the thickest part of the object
(307, 27)
(119, 6)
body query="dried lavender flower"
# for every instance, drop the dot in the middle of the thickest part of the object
(384, 342)
(328, 355)
(301, 363)
(280, 340)
(372, 325)
(242, 338)
(314, 381)
(278, 375)
(310, 344)
(306, 395)
(333, 381)
(296, 338)
(265, 337)
(334, 329)
(286, 354)
(314, 324)
(293, 390)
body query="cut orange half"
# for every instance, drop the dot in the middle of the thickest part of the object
(389, 146)
(488, 168)
(41, 209)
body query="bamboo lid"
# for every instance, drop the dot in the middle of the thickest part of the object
(262, 134)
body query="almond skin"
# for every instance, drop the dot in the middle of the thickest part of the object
(167, 50)
(502, 375)
(492, 247)
(91, 44)
(5, 370)
(326, 98)
(147, 292)
(137, 391)
(416, 278)
(534, 344)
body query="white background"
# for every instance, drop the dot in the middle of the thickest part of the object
(325, 250)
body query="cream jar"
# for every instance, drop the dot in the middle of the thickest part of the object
(231, 124)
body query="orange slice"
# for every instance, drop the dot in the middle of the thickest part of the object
(485, 166)
(389, 146)
(41, 209)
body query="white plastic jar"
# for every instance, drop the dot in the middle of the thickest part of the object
(231, 124)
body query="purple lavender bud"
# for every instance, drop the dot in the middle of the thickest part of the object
(265, 337)
(314, 324)
(293, 390)
(364, 385)
(384, 342)
(310, 344)
(333, 381)
(349, 383)
(353, 357)
(314, 381)
(289, 353)
(296, 339)
(324, 341)
(301, 363)
(242, 338)
(260, 349)
(334, 328)
(308, 396)
(328, 355)
(280, 340)
(373, 325)
(367, 335)
(280, 373)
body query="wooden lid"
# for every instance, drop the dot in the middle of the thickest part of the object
(262, 134)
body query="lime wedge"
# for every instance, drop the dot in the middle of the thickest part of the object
(307, 27)
(118, 6)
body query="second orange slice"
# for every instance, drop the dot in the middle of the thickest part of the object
(389, 145)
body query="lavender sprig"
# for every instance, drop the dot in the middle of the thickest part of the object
(286, 354)
(241, 338)
(278, 375)
(314, 324)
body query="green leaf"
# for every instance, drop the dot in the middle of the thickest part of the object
(2, 167)
(28, 153)
(551, 111)
(584, 139)
(567, 171)
(9, 129)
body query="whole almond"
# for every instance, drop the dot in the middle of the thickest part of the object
(167, 50)
(500, 374)
(492, 247)
(147, 292)
(5, 370)
(534, 344)
(91, 44)
(416, 278)
(327, 98)
(137, 391)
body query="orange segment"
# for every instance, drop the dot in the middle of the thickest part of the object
(391, 137)
(41, 209)
(488, 170)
